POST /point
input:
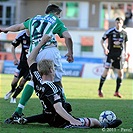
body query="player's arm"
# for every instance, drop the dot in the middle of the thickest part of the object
(125, 46)
(13, 28)
(33, 54)
(126, 50)
(104, 46)
(15, 60)
(62, 112)
(69, 44)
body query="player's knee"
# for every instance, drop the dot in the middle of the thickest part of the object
(22, 83)
(105, 73)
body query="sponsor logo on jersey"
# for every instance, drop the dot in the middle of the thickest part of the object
(114, 35)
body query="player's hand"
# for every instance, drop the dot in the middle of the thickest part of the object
(106, 51)
(127, 55)
(69, 57)
(76, 122)
(15, 61)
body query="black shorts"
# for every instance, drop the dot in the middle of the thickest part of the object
(57, 120)
(22, 71)
(115, 62)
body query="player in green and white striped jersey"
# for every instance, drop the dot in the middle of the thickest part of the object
(38, 26)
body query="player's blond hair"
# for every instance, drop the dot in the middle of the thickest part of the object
(45, 66)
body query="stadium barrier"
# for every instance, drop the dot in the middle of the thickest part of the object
(81, 67)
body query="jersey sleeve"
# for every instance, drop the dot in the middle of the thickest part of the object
(60, 28)
(35, 74)
(17, 40)
(106, 34)
(26, 23)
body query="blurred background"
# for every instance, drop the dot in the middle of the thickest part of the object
(86, 20)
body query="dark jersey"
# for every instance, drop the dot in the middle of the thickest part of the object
(116, 41)
(48, 92)
(24, 40)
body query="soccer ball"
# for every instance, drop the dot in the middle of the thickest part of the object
(107, 116)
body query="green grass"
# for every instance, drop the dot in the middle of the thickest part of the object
(82, 94)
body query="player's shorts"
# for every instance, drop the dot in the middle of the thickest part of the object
(54, 55)
(22, 72)
(115, 62)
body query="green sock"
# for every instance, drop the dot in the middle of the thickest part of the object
(27, 93)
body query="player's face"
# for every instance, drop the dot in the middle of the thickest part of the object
(58, 15)
(119, 24)
(53, 73)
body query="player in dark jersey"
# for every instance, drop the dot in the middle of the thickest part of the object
(56, 111)
(116, 53)
(22, 70)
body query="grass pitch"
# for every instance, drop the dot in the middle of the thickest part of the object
(82, 94)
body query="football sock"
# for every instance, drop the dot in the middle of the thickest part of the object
(18, 90)
(36, 118)
(102, 79)
(118, 83)
(27, 93)
(13, 86)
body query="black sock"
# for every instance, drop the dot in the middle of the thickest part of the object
(13, 87)
(36, 118)
(18, 90)
(118, 83)
(102, 79)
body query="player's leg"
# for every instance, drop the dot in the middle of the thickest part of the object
(118, 82)
(94, 123)
(102, 80)
(18, 90)
(86, 123)
(26, 94)
(118, 65)
(26, 77)
(40, 118)
(13, 84)
(104, 75)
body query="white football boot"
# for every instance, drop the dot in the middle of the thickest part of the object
(7, 96)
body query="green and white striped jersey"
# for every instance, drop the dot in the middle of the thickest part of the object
(41, 25)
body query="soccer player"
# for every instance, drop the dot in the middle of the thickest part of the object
(22, 70)
(56, 111)
(39, 26)
(116, 53)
